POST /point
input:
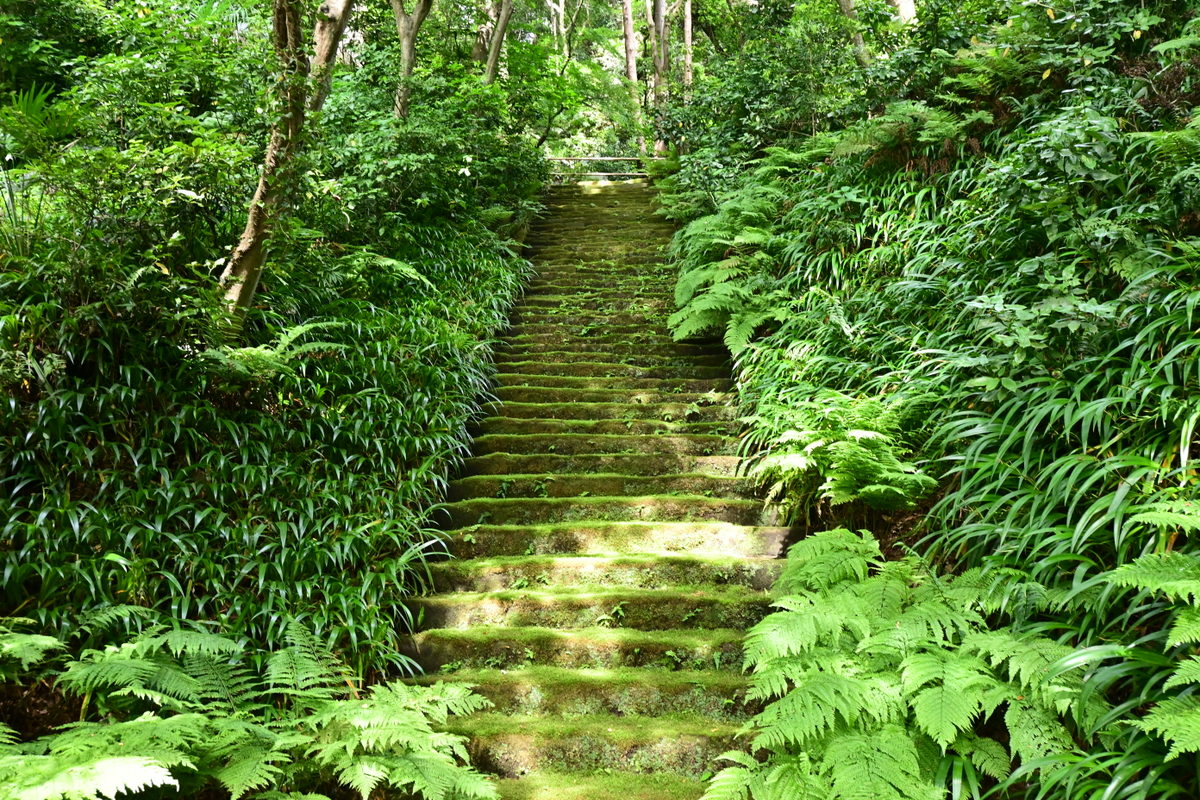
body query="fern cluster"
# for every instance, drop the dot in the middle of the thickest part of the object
(881, 679)
(182, 708)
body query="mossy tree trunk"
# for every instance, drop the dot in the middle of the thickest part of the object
(496, 43)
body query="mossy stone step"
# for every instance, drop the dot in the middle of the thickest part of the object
(664, 385)
(526, 426)
(654, 295)
(569, 332)
(595, 485)
(541, 394)
(614, 369)
(631, 356)
(646, 345)
(545, 785)
(628, 283)
(591, 320)
(651, 508)
(635, 571)
(625, 692)
(591, 463)
(515, 746)
(577, 444)
(667, 412)
(596, 648)
(620, 538)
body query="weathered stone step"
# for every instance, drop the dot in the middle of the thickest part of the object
(521, 426)
(667, 412)
(591, 320)
(629, 283)
(636, 571)
(661, 385)
(614, 369)
(594, 648)
(605, 444)
(608, 271)
(656, 296)
(540, 691)
(573, 332)
(535, 394)
(646, 343)
(649, 508)
(587, 606)
(631, 356)
(590, 463)
(700, 539)
(610, 785)
(515, 746)
(583, 485)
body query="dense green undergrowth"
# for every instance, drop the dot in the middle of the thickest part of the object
(967, 319)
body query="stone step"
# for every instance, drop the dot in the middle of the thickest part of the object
(625, 284)
(523, 319)
(650, 508)
(608, 785)
(636, 571)
(699, 539)
(586, 648)
(523, 426)
(618, 347)
(604, 444)
(542, 691)
(596, 485)
(593, 297)
(583, 411)
(615, 369)
(587, 606)
(574, 332)
(591, 463)
(662, 385)
(535, 394)
(630, 356)
(515, 746)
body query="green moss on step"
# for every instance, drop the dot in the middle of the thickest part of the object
(610, 786)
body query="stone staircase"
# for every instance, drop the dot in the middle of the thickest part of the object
(608, 559)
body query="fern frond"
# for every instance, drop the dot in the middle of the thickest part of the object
(51, 777)
(1174, 574)
(1176, 720)
(1185, 629)
(881, 764)
(1187, 672)
(1034, 733)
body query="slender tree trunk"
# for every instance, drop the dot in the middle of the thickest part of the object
(688, 51)
(558, 16)
(244, 269)
(408, 25)
(630, 41)
(332, 17)
(860, 47)
(497, 43)
(662, 55)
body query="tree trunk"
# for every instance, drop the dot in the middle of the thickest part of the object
(483, 36)
(860, 47)
(244, 269)
(662, 56)
(906, 10)
(688, 53)
(408, 25)
(630, 41)
(497, 43)
(332, 17)
(558, 18)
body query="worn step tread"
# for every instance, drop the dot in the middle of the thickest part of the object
(622, 692)
(620, 538)
(545, 785)
(571, 607)
(644, 571)
(604, 443)
(596, 484)
(514, 746)
(596, 647)
(647, 508)
(587, 411)
(527, 426)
